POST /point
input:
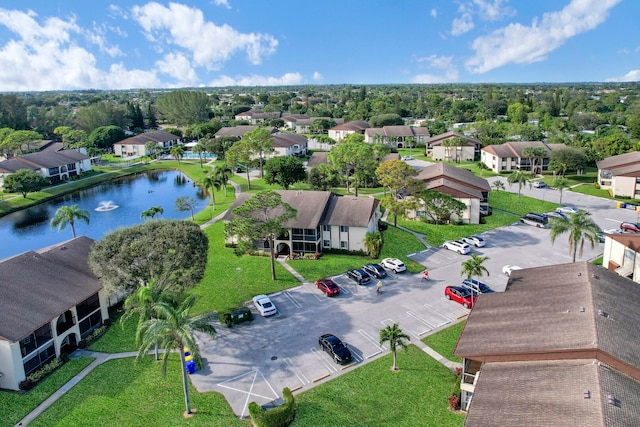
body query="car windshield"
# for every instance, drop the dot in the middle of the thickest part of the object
(484, 288)
(266, 304)
(338, 347)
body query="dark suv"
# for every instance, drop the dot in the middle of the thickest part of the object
(359, 276)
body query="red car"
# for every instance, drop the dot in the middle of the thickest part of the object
(328, 286)
(460, 295)
(630, 227)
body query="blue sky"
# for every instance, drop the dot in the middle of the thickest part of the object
(121, 44)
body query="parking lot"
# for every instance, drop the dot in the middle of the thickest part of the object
(254, 361)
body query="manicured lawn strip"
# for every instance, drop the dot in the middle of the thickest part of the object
(124, 392)
(372, 395)
(117, 339)
(444, 341)
(15, 406)
(438, 234)
(598, 192)
(398, 243)
(510, 202)
(219, 288)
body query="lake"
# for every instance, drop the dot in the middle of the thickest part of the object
(29, 228)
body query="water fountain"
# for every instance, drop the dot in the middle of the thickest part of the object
(106, 206)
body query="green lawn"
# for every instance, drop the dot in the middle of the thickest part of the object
(223, 288)
(518, 205)
(118, 338)
(397, 244)
(15, 406)
(444, 341)
(125, 392)
(372, 395)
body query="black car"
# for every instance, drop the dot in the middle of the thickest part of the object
(375, 270)
(335, 348)
(359, 276)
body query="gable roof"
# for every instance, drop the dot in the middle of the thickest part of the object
(515, 148)
(458, 180)
(42, 159)
(317, 158)
(36, 287)
(438, 139)
(238, 131)
(319, 207)
(627, 164)
(287, 139)
(354, 126)
(143, 138)
(631, 241)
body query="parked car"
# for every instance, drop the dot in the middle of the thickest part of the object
(328, 286)
(477, 287)
(335, 348)
(539, 184)
(460, 295)
(375, 270)
(407, 157)
(264, 305)
(567, 209)
(507, 269)
(630, 227)
(535, 219)
(476, 241)
(603, 233)
(393, 264)
(359, 276)
(457, 246)
(554, 214)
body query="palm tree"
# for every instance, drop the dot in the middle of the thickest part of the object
(211, 183)
(186, 203)
(396, 337)
(561, 183)
(177, 152)
(223, 172)
(498, 184)
(173, 329)
(473, 267)
(580, 227)
(151, 147)
(520, 177)
(68, 215)
(199, 148)
(151, 212)
(373, 243)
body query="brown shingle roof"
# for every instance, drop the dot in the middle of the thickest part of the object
(36, 287)
(350, 211)
(461, 176)
(317, 158)
(620, 160)
(437, 139)
(631, 241)
(143, 138)
(287, 139)
(238, 131)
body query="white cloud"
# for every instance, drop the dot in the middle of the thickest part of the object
(433, 13)
(520, 44)
(223, 3)
(99, 38)
(441, 63)
(255, 80)
(631, 76)
(493, 11)
(317, 76)
(45, 56)
(209, 45)
(462, 25)
(178, 67)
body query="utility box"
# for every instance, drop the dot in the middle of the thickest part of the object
(241, 315)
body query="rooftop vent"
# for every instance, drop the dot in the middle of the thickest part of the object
(582, 309)
(63, 248)
(587, 394)
(594, 276)
(579, 273)
(612, 400)
(602, 313)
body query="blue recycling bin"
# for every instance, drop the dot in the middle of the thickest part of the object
(191, 366)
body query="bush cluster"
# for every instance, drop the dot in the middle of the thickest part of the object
(280, 416)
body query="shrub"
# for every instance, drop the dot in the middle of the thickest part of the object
(44, 371)
(64, 358)
(107, 322)
(226, 319)
(280, 416)
(82, 344)
(454, 402)
(26, 385)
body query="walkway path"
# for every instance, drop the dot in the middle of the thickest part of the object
(100, 358)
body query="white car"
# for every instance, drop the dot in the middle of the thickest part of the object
(457, 246)
(407, 157)
(567, 209)
(476, 241)
(393, 264)
(264, 305)
(555, 214)
(507, 269)
(539, 184)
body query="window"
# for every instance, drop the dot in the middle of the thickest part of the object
(90, 323)
(326, 228)
(344, 244)
(36, 339)
(39, 359)
(344, 229)
(87, 306)
(326, 243)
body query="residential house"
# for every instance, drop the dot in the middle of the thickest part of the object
(291, 120)
(55, 166)
(321, 157)
(289, 144)
(135, 146)
(237, 131)
(622, 255)
(304, 125)
(256, 117)
(49, 301)
(560, 347)
(340, 132)
(396, 136)
(438, 149)
(462, 185)
(621, 174)
(509, 156)
(324, 221)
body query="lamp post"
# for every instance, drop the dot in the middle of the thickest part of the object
(238, 269)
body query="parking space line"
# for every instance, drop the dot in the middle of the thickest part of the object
(292, 299)
(355, 356)
(372, 341)
(448, 318)
(304, 380)
(320, 356)
(421, 320)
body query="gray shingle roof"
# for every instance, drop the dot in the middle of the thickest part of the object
(42, 159)
(437, 139)
(238, 131)
(620, 160)
(350, 211)
(286, 139)
(317, 158)
(36, 287)
(143, 138)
